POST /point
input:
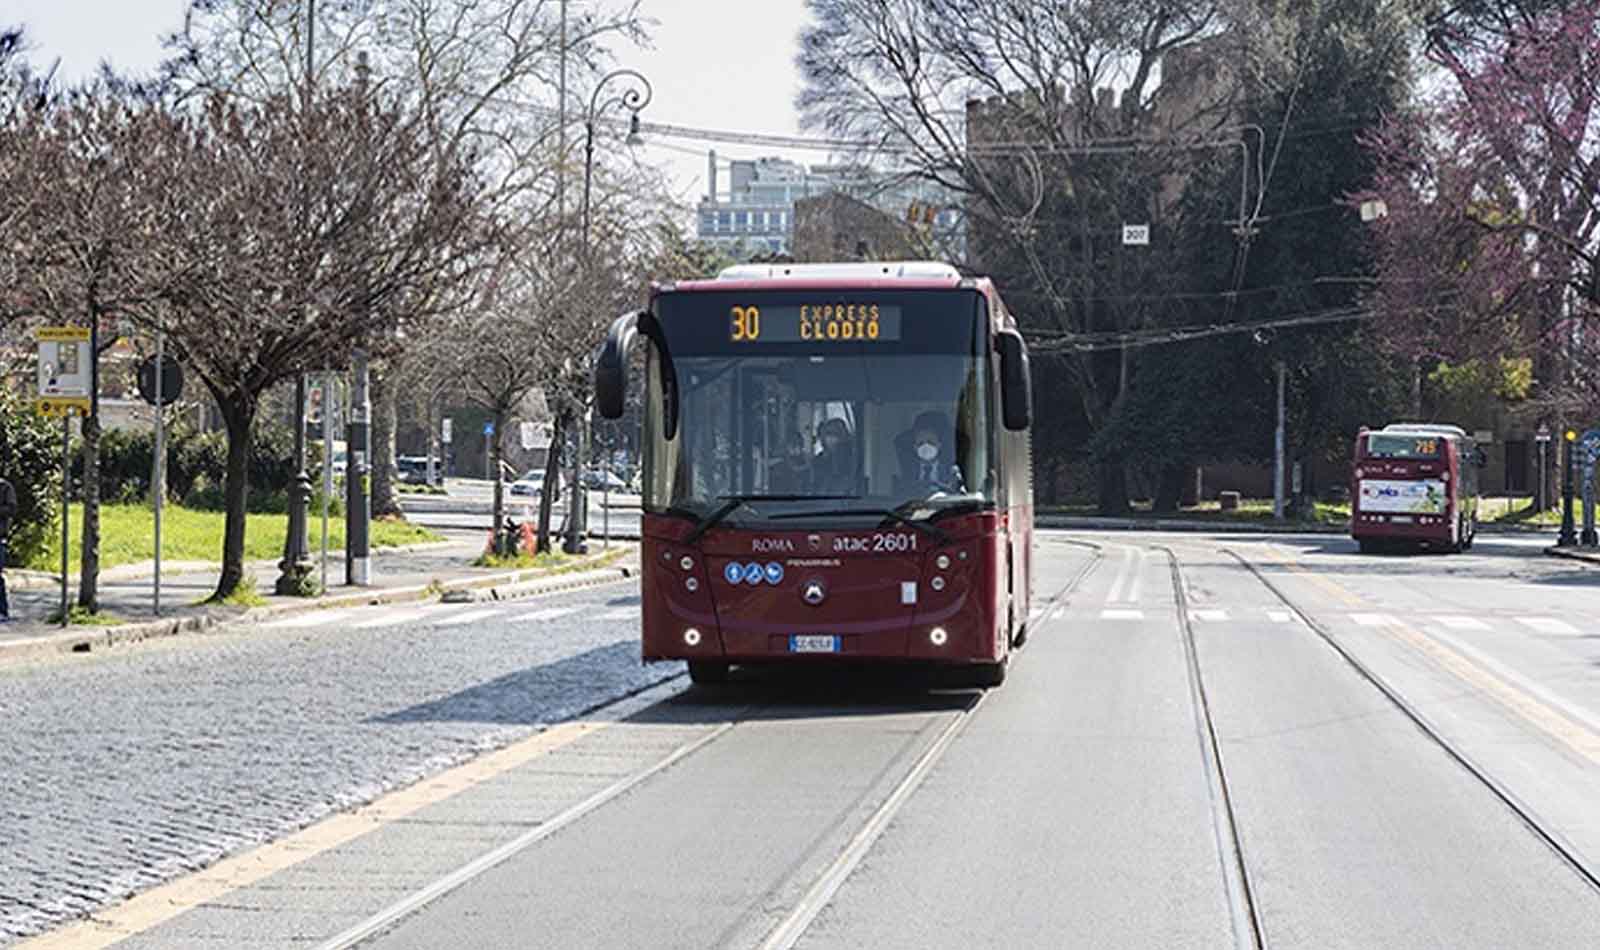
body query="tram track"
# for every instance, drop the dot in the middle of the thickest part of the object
(1249, 933)
(821, 890)
(1552, 839)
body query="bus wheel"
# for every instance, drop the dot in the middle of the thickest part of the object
(989, 675)
(707, 672)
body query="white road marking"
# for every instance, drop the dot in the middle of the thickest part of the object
(1280, 616)
(621, 613)
(391, 619)
(1549, 625)
(1122, 576)
(1109, 614)
(549, 613)
(1208, 615)
(314, 619)
(1457, 622)
(1373, 620)
(471, 616)
(1138, 578)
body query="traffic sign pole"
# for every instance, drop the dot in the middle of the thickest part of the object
(159, 476)
(66, 499)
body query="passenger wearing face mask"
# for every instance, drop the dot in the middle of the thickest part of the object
(931, 467)
(834, 468)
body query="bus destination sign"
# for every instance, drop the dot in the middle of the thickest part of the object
(815, 323)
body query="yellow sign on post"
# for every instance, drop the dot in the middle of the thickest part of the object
(66, 368)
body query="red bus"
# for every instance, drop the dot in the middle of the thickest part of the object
(836, 465)
(1415, 485)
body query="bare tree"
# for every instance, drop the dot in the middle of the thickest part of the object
(83, 242)
(1054, 123)
(313, 230)
(468, 68)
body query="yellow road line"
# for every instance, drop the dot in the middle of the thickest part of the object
(1553, 723)
(161, 904)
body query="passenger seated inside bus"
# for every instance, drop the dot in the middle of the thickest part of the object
(791, 475)
(834, 468)
(927, 459)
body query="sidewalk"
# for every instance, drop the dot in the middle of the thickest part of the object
(415, 572)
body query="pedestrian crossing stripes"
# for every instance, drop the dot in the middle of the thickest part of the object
(1280, 616)
(1208, 615)
(621, 613)
(1549, 625)
(1461, 623)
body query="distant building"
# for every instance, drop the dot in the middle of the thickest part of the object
(757, 215)
(837, 227)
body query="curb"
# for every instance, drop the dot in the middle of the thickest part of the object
(504, 586)
(1574, 554)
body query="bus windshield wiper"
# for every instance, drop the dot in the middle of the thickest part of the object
(732, 502)
(887, 514)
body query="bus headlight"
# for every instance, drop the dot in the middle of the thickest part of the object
(691, 637)
(938, 637)
(690, 584)
(937, 583)
(943, 562)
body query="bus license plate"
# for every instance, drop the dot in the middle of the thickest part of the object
(1401, 519)
(813, 643)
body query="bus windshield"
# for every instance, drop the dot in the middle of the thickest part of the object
(805, 402)
(1380, 446)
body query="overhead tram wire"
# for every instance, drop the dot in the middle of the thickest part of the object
(1098, 342)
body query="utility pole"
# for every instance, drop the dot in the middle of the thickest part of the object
(1278, 440)
(561, 126)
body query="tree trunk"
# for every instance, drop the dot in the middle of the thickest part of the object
(385, 411)
(1169, 487)
(552, 481)
(1113, 487)
(89, 576)
(239, 417)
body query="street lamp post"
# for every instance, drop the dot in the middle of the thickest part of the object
(296, 565)
(633, 98)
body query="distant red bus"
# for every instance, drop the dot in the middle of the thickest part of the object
(836, 465)
(1414, 485)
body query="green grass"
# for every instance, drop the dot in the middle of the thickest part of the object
(79, 617)
(1503, 510)
(522, 561)
(245, 595)
(127, 536)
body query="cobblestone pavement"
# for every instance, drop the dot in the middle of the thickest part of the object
(127, 769)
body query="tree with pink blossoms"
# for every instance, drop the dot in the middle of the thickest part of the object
(1489, 248)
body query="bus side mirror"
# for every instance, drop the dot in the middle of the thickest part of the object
(1016, 381)
(611, 369)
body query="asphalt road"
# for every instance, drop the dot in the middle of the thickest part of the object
(1208, 742)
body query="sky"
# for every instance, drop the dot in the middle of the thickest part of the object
(720, 64)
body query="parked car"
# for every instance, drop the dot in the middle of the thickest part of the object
(600, 481)
(530, 484)
(413, 469)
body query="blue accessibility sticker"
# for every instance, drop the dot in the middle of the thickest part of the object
(774, 572)
(753, 573)
(734, 572)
